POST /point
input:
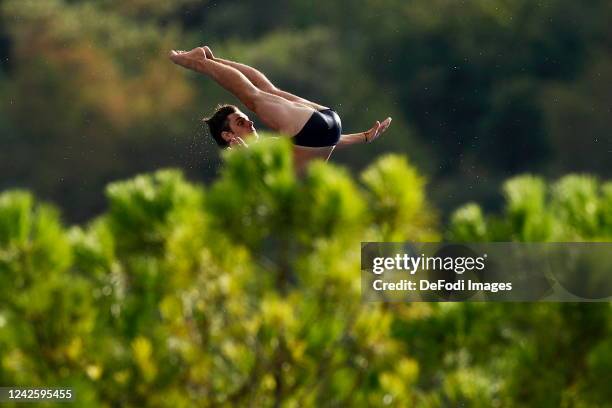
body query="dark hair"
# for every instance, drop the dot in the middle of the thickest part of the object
(218, 123)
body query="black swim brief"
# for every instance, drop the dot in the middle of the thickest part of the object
(321, 130)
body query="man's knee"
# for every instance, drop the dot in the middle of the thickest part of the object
(251, 98)
(268, 87)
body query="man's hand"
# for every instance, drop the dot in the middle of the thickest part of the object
(237, 142)
(189, 59)
(376, 130)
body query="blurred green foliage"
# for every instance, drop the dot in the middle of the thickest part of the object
(247, 293)
(574, 208)
(548, 352)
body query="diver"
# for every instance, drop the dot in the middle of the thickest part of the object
(315, 129)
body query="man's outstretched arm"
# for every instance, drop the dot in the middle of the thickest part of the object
(365, 137)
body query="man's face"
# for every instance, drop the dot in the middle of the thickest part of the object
(241, 126)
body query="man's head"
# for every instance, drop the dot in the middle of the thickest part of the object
(228, 125)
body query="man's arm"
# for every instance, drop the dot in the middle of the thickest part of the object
(364, 137)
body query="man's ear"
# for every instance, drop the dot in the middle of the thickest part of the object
(227, 136)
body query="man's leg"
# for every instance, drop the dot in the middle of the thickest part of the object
(258, 79)
(278, 113)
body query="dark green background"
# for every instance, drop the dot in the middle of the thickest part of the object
(479, 90)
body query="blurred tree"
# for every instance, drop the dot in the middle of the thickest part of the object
(86, 88)
(245, 294)
(47, 314)
(575, 208)
(248, 293)
(572, 209)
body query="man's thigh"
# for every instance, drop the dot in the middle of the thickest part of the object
(281, 115)
(294, 98)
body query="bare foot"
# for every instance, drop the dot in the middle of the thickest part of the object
(208, 52)
(188, 59)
